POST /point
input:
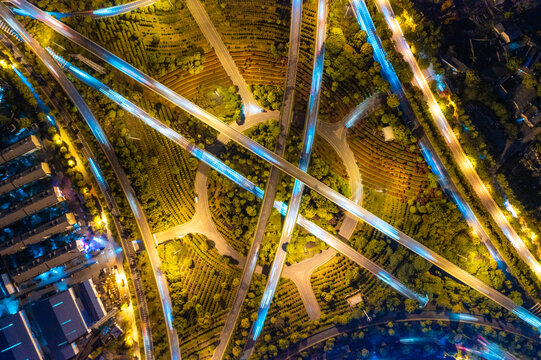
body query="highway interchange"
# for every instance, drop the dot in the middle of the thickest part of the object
(275, 160)
(234, 176)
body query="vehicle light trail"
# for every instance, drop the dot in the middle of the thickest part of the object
(365, 21)
(273, 159)
(98, 13)
(107, 148)
(454, 146)
(237, 178)
(232, 175)
(298, 187)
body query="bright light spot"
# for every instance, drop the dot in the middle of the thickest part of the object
(250, 109)
(129, 341)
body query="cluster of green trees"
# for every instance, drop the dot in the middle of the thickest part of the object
(223, 102)
(389, 115)
(268, 96)
(420, 32)
(279, 49)
(69, 164)
(161, 64)
(130, 156)
(475, 89)
(348, 59)
(192, 307)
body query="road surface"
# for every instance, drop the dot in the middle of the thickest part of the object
(298, 187)
(301, 274)
(335, 135)
(283, 165)
(99, 13)
(211, 34)
(106, 146)
(454, 145)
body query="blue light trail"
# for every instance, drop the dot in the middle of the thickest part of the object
(252, 146)
(240, 180)
(97, 173)
(98, 13)
(464, 317)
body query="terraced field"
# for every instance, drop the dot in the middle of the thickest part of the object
(388, 166)
(199, 275)
(172, 176)
(250, 29)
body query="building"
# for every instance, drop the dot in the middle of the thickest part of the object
(29, 207)
(42, 265)
(61, 323)
(532, 160)
(17, 342)
(508, 33)
(91, 301)
(6, 287)
(27, 176)
(25, 146)
(455, 65)
(531, 115)
(62, 223)
(388, 133)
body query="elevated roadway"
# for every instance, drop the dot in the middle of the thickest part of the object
(98, 13)
(284, 122)
(240, 180)
(429, 315)
(427, 150)
(279, 162)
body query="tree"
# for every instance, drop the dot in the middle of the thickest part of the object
(359, 39)
(529, 81)
(245, 323)
(236, 351)
(155, 39)
(410, 305)
(25, 122)
(335, 41)
(393, 101)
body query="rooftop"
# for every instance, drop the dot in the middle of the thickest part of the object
(16, 339)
